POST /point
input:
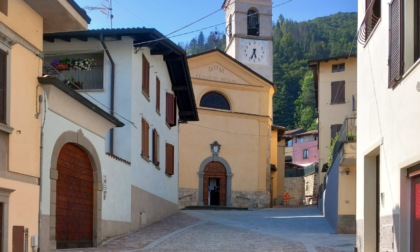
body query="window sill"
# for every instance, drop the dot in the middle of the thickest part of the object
(408, 72)
(338, 103)
(147, 96)
(6, 128)
(145, 158)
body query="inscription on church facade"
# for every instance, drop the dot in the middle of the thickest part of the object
(216, 73)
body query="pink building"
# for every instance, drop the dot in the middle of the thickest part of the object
(301, 146)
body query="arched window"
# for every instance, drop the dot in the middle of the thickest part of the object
(214, 100)
(229, 27)
(253, 22)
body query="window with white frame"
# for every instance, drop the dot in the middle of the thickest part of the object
(305, 154)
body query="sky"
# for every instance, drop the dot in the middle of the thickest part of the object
(168, 16)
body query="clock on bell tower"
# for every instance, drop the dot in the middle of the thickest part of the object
(249, 36)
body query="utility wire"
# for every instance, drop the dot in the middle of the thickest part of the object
(171, 34)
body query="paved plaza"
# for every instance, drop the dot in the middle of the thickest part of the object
(275, 229)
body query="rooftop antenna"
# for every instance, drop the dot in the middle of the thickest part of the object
(104, 8)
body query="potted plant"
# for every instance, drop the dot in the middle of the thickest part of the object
(82, 64)
(74, 84)
(61, 64)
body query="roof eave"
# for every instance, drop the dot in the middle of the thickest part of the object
(48, 80)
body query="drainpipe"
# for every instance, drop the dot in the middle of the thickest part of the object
(41, 105)
(111, 138)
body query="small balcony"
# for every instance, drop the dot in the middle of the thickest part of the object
(345, 146)
(372, 16)
(79, 71)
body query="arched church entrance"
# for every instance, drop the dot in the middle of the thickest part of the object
(214, 184)
(74, 198)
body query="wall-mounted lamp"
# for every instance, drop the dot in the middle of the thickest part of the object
(345, 171)
(215, 148)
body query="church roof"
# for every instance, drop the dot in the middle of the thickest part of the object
(236, 61)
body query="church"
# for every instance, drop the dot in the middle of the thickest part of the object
(229, 157)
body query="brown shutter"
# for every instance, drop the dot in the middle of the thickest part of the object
(337, 92)
(145, 139)
(1, 227)
(170, 109)
(169, 159)
(18, 239)
(3, 70)
(395, 43)
(341, 92)
(145, 77)
(155, 147)
(157, 94)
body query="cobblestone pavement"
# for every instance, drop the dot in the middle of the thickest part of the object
(276, 229)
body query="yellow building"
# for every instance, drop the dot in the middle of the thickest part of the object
(225, 157)
(335, 81)
(230, 157)
(22, 24)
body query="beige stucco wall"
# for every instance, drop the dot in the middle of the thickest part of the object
(25, 139)
(347, 191)
(23, 207)
(330, 114)
(24, 27)
(244, 132)
(24, 21)
(238, 147)
(21, 31)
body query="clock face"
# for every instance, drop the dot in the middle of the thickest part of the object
(254, 51)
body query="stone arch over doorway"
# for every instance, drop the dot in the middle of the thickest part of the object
(85, 150)
(201, 176)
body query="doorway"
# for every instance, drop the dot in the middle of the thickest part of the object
(415, 213)
(74, 200)
(214, 186)
(214, 192)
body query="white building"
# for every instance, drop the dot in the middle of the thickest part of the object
(388, 152)
(141, 78)
(73, 129)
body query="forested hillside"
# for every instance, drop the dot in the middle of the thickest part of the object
(294, 44)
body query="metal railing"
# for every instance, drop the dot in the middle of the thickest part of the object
(369, 22)
(79, 79)
(348, 133)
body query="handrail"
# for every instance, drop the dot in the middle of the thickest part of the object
(348, 133)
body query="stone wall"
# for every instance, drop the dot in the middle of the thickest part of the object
(388, 239)
(346, 224)
(189, 197)
(295, 187)
(250, 199)
(311, 188)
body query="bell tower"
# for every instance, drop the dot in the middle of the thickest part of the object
(249, 37)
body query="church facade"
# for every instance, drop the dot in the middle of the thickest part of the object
(226, 157)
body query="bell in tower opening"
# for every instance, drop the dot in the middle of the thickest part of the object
(253, 22)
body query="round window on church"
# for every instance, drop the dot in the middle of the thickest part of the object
(214, 100)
